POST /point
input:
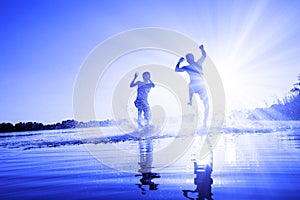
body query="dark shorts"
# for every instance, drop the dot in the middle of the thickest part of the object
(141, 104)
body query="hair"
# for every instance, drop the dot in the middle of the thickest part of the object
(189, 56)
(146, 75)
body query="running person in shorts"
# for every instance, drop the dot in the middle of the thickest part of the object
(196, 85)
(141, 101)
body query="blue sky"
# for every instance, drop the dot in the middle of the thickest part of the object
(254, 44)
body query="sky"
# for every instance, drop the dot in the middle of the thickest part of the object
(255, 46)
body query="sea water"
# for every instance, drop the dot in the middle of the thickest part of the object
(253, 160)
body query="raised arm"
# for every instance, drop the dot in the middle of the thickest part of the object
(133, 83)
(177, 68)
(200, 61)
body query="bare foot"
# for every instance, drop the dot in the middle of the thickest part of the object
(189, 103)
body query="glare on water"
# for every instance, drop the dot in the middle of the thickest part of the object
(258, 159)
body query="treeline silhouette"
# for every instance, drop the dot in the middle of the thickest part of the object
(67, 124)
(286, 109)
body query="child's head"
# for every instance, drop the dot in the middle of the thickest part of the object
(146, 76)
(189, 58)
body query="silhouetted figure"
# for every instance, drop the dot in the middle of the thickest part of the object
(196, 85)
(141, 101)
(203, 181)
(146, 159)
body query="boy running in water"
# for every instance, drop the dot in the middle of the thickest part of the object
(141, 101)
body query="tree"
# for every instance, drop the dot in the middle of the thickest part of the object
(296, 89)
(6, 127)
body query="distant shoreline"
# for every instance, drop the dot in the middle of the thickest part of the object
(66, 124)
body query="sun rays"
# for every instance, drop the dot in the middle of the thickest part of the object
(252, 53)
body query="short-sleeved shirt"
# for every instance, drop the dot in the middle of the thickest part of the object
(142, 95)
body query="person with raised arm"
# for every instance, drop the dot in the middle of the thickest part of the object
(141, 102)
(197, 84)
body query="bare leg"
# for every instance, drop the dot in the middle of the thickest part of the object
(191, 92)
(139, 117)
(204, 98)
(147, 114)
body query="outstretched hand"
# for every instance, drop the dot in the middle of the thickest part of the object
(201, 47)
(136, 74)
(181, 59)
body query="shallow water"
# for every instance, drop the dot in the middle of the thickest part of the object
(253, 160)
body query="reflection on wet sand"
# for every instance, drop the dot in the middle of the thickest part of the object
(145, 163)
(202, 169)
(203, 182)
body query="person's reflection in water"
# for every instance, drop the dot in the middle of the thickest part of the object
(146, 159)
(203, 169)
(203, 181)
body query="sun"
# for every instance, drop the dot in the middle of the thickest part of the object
(254, 57)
